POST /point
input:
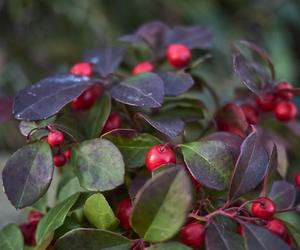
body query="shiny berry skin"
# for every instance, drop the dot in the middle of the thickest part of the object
(285, 111)
(240, 230)
(34, 215)
(264, 208)
(55, 138)
(114, 121)
(59, 160)
(266, 102)
(142, 68)
(68, 154)
(297, 179)
(178, 55)
(28, 230)
(281, 90)
(159, 155)
(123, 213)
(193, 235)
(251, 113)
(277, 227)
(82, 69)
(86, 99)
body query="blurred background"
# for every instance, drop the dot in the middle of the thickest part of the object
(39, 38)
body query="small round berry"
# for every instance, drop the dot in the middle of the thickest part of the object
(240, 230)
(142, 68)
(277, 227)
(28, 230)
(178, 55)
(85, 100)
(68, 154)
(124, 210)
(159, 155)
(264, 208)
(193, 235)
(282, 90)
(59, 160)
(197, 185)
(289, 240)
(55, 138)
(285, 111)
(114, 121)
(82, 69)
(34, 215)
(251, 113)
(266, 102)
(297, 179)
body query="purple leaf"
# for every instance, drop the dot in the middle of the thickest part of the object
(171, 127)
(28, 174)
(195, 37)
(283, 194)
(251, 166)
(143, 90)
(48, 96)
(175, 83)
(105, 59)
(259, 238)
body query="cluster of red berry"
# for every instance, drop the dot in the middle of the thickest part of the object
(278, 101)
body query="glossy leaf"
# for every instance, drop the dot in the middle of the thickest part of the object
(294, 232)
(161, 206)
(283, 194)
(98, 212)
(251, 166)
(259, 238)
(218, 237)
(48, 96)
(92, 239)
(143, 90)
(11, 238)
(171, 127)
(70, 188)
(210, 162)
(169, 246)
(98, 116)
(27, 174)
(134, 147)
(55, 218)
(105, 59)
(194, 37)
(99, 165)
(175, 83)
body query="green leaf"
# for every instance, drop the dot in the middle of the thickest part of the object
(55, 218)
(169, 246)
(134, 147)
(161, 205)
(295, 233)
(98, 212)
(92, 239)
(28, 174)
(210, 162)
(99, 165)
(98, 116)
(11, 238)
(70, 188)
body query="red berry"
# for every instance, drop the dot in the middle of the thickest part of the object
(28, 230)
(289, 240)
(55, 138)
(277, 227)
(193, 235)
(159, 155)
(251, 113)
(59, 160)
(197, 185)
(143, 67)
(34, 215)
(82, 69)
(86, 99)
(114, 121)
(285, 111)
(68, 154)
(297, 179)
(178, 55)
(240, 230)
(124, 210)
(264, 208)
(281, 90)
(266, 102)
